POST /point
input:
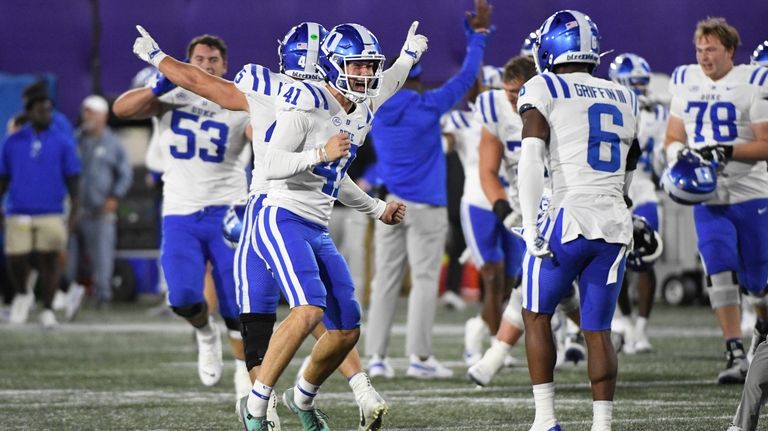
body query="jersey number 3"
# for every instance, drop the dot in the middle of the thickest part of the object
(220, 142)
(598, 136)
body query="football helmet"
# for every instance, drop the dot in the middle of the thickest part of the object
(492, 77)
(568, 36)
(232, 225)
(527, 48)
(630, 70)
(345, 44)
(298, 50)
(691, 180)
(760, 54)
(647, 245)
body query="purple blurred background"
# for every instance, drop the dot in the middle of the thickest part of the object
(47, 36)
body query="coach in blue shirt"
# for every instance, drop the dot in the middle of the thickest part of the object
(38, 166)
(411, 163)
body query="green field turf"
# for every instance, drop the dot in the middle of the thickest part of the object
(125, 370)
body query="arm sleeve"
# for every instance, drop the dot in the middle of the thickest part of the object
(354, 197)
(443, 98)
(282, 159)
(393, 80)
(124, 173)
(530, 179)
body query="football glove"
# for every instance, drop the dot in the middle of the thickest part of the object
(146, 48)
(715, 153)
(415, 44)
(535, 244)
(504, 213)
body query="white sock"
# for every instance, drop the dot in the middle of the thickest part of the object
(640, 324)
(360, 384)
(602, 414)
(544, 400)
(258, 399)
(304, 394)
(495, 355)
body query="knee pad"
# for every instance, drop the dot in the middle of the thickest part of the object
(233, 325)
(256, 329)
(190, 311)
(514, 309)
(723, 289)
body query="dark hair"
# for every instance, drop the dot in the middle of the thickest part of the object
(209, 40)
(719, 28)
(37, 88)
(521, 68)
(34, 100)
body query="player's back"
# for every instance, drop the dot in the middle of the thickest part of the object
(261, 88)
(311, 193)
(205, 143)
(721, 113)
(466, 134)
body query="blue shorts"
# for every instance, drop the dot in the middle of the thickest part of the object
(257, 290)
(650, 211)
(308, 267)
(189, 241)
(490, 241)
(598, 265)
(735, 238)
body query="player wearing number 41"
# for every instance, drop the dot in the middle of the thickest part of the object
(256, 90)
(586, 127)
(719, 112)
(205, 145)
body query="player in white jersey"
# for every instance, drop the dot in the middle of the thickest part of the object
(204, 175)
(256, 90)
(719, 110)
(634, 72)
(317, 132)
(587, 127)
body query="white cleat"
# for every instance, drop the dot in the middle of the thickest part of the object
(209, 362)
(59, 300)
(48, 319)
(511, 362)
(642, 344)
(482, 372)
(74, 300)
(475, 331)
(20, 308)
(272, 412)
(372, 410)
(379, 367)
(430, 368)
(452, 300)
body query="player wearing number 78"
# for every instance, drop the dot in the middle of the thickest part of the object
(586, 127)
(719, 111)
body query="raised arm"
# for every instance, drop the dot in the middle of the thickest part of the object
(394, 77)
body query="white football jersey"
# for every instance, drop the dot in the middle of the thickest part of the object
(721, 113)
(651, 128)
(466, 133)
(204, 145)
(311, 193)
(493, 110)
(593, 124)
(261, 88)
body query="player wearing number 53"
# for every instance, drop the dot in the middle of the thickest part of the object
(719, 114)
(206, 149)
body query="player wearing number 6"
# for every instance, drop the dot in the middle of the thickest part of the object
(203, 145)
(719, 112)
(586, 128)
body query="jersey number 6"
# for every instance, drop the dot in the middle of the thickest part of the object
(597, 136)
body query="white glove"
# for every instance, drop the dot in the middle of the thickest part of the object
(146, 48)
(513, 219)
(537, 246)
(415, 44)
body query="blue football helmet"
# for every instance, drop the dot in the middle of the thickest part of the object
(568, 36)
(647, 245)
(232, 225)
(527, 48)
(760, 54)
(299, 49)
(630, 70)
(344, 44)
(691, 180)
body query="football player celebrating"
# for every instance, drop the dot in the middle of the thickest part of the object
(634, 72)
(256, 90)
(316, 134)
(204, 175)
(719, 112)
(586, 128)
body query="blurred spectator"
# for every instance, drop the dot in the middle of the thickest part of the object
(106, 178)
(38, 165)
(58, 120)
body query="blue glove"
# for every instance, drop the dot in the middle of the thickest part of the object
(161, 85)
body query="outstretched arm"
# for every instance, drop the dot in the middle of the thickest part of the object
(394, 77)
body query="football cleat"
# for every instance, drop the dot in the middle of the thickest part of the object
(372, 409)
(209, 362)
(736, 367)
(20, 308)
(48, 319)
(642, 344)
(379, 367)
(574, 348)
(430, 368)
(249, 422)
(312, 419)
(74, 299)
(475, 331)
